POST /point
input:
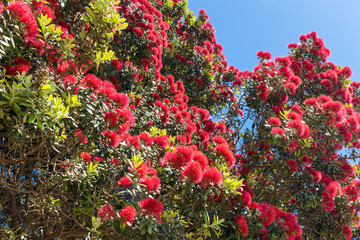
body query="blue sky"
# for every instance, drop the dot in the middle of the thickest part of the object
(244, 27)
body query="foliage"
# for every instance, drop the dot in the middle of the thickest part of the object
(108, 131)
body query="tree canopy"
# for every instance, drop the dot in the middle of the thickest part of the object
(121, 119)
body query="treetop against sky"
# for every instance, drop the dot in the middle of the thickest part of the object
(245, 27)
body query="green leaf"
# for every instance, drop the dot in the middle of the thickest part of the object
(16, 108)
(44, 87)
(31, 118)
(40, 125)
(47, 21)
(143, 230)
(96, 222)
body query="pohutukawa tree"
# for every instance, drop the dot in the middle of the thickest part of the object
(108, 131)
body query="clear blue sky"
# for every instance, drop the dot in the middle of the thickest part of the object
(244, 27)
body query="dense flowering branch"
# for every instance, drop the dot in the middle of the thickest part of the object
(110, 131)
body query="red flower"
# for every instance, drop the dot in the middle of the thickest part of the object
(112, 138)
(296, 108)
(200, 158)
(151, 207)
(92, 81)
(126, 117)
(333, 106)
(327, 84)
(327, 202)
(125, 182)
(345, 72)
(297, 126)
(204, 136)
(193, 171)
(161, 141)
(292, 229)
(212, 176)
(333, 188)
(133, 141)
(267, 214)
(86, 157)
(293, 146)
(202, 14)
(223, 150)
(141, 169)
(146, 139)
(303, 38)
(22, 11)
(21, 65)
(293, 116)
(152, 183)
(308, 66)
(117, 64)
(306, 133)
(120, 100)
(284, 61)
(291, 87)
(198, 81)
(348, 170)
(219, 139)
(127, 215)
(293, 165)
(242, 225)
(203, 113)
(296, 80)
(139, 32)
(274, 121)
(293, 45)
(115, 161)
(46, 11)
(181, 139)
(347, 232)
(311, 102)
(111, 118)
(286, 72)
(221, 127)
(324, 99)
(263, 55)
(180, 157)
(191, 127)
(351, 193)
(278, 131)
(263, 92)
(106, 212)
(317, 175)
(352, 123)
(107, 89)
(246, 198)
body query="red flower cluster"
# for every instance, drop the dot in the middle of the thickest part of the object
(212, 176)
(125, 182)
(274, 121)
(22, 12)
(20, 66)
(127, 215)
(242, 225)
(151, 207)
(223, 150)
(263, 55)
(106, 212)
(288, 221)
